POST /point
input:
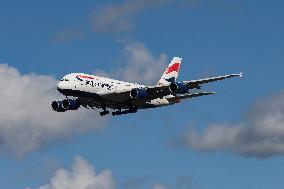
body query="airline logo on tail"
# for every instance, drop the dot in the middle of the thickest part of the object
(174, 68)
(171, 73)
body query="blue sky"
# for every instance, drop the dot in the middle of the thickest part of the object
(233, 139)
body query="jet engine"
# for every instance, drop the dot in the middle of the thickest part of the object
(178, 88)
(70, 104)
(139, 93)
(64, 105)
(58, 106)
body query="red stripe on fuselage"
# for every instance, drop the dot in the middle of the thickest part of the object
(85, 77)
(173, 68)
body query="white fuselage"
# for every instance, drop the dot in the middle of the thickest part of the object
(80, 84)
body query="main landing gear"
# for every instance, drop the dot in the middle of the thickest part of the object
(119, 112)
(131, 110)
(105, 112)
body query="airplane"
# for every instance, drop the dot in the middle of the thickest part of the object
(95, 92)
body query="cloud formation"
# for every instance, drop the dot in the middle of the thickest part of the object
(139, 65)
(260, 134)
(26, 119)
(118, 17)
(81, 176)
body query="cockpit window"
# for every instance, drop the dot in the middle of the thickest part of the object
(64, 80)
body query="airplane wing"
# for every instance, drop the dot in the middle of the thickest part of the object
(195, 83)
(160, 91)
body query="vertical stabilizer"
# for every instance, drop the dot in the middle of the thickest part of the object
(171, 73)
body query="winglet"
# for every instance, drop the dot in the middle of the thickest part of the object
(241, 75)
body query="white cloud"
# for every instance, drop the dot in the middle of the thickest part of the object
(260, 134)
(139, 65)
(81, 176)
(26, 119)
(118, 17)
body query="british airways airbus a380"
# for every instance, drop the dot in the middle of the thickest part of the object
(123, 97)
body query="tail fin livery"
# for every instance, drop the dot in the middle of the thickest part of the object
(171, 73)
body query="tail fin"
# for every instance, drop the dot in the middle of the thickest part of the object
(171, 73)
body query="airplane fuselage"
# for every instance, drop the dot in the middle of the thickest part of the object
(88, 86)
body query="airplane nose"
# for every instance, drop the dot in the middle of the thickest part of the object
(60, 87)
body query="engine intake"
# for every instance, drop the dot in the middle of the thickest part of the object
(178, 88)
(58, 106)
(139, 93)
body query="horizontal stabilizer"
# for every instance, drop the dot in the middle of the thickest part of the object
(190, 95)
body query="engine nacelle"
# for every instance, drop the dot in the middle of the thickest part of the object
(64, 105)
(58, 106)
(178, 88)
(70, 104)
(139, 93)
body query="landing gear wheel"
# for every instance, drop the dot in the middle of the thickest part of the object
(116, 113)
(133, 109)
(104, 113)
